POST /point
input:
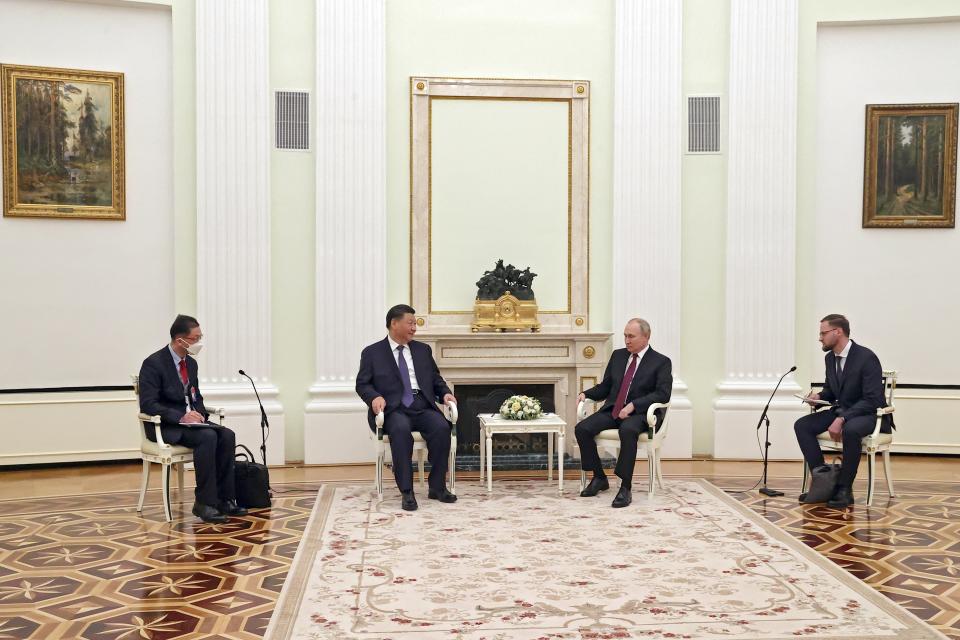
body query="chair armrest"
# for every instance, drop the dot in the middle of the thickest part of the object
(378, 420)
(882, 411)
(652, 412)
(144, 417)
(656, 434)
(451, 414)
(582, 408)
(220, 412)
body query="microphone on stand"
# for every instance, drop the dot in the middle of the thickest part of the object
(264, 423)
(766, 449)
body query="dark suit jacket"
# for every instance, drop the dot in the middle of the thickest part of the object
(859, 391)
(161, 394)
(652, 382)
(380, 376)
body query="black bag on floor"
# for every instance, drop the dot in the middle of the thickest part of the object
(823, 482)
(252, 481)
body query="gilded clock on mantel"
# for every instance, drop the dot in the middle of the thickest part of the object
(505, 300)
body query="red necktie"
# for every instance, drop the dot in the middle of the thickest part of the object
(183, 371)
(625, 386)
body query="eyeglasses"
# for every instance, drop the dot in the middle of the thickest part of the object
(823, 333)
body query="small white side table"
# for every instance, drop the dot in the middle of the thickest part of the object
(548, 423)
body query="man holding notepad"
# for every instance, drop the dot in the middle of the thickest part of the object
(853, 387)
(169, 388)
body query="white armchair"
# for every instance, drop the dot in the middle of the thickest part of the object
(650, 442)
(381, 442)
(159, 452)
(872, 444)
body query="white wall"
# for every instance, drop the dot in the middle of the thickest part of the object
(897, 286)
(86, 300)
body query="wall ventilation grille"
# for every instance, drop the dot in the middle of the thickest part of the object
(703, 124)
(292, 120)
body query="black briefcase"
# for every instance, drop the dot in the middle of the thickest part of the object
(823, 482)
(252, 481)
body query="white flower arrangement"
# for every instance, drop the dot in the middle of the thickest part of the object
(521, 408)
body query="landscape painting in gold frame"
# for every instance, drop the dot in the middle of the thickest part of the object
(63, 143)
(910, 165)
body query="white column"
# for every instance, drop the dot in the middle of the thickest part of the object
(351, 222)
(233, 214)
(761, 223)
(648, 139)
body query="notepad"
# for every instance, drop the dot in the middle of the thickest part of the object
(821, 403)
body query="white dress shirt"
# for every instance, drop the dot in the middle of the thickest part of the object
(407, 358)
(842, 356)
(640, 355)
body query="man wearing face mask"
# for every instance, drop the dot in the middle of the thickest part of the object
(169, 388)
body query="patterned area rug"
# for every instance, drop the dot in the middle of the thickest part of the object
(523, 563)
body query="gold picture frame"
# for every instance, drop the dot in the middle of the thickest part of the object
(910, 166)
(63, 143)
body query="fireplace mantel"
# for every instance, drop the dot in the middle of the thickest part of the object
(571, 361)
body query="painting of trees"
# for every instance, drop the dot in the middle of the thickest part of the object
(910, 165)
(62, 143)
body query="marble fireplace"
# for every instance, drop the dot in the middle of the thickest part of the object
(554, 367)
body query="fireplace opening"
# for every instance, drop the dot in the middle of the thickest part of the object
(510, 451)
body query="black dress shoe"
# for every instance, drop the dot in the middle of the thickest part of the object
(231, 508)
(842, 499)
(623, 499)
(595, 486)
(208, 514)
(409, 501)
(801, 497)
(442, 496)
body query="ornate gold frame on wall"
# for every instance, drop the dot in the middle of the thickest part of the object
(576, 94)
(12, 206)
(946, 177)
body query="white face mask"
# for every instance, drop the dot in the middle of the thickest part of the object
(192, 349)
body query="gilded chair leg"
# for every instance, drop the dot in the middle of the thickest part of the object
(806, 473)
(143, 484)
(871, 471)
(651, 474)
(420, 467)
(583, 479)
(453, 465)
(183, 495)
(379, 476)
(887, 472)
(165, 475)
(656, 454)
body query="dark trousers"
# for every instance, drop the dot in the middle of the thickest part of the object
(213, 456)
(630, 430)
(809, 427)
(400, 425)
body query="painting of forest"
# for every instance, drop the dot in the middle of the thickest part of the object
(911, 165)
(61, 139)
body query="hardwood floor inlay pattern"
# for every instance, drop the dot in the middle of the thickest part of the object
(89, 567)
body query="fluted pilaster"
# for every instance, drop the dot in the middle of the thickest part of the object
(351, 217)
(761, 223)
(233, 211)
(648, 121)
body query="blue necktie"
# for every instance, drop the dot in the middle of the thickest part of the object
(405, 378)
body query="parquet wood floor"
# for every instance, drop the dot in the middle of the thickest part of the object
(88, 566)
